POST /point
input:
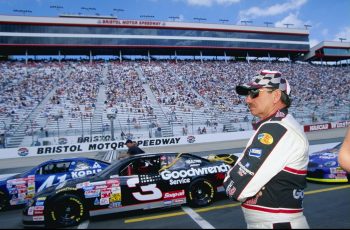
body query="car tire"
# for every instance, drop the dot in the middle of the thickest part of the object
(4, 201)
(201, 192)
(65, 211)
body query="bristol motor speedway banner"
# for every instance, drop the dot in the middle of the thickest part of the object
(119, 145)
(326, 126)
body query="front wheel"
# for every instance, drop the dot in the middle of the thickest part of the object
(66, 210)
(4, 201)
(201, 192)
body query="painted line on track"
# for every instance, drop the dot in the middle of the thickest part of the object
(197, 218)
(83, 225)
(199, 210)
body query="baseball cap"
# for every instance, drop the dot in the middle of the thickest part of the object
(128, 141)
(268, 79)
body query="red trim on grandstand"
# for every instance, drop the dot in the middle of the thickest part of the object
(271, 210)
(150, 27)
(137, 46)
(295, 171)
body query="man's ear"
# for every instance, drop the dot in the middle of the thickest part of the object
(277, 96)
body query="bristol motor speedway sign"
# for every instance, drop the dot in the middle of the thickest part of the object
(118, 145)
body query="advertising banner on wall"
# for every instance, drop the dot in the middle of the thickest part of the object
(119, 145)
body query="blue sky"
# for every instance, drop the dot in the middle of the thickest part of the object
(330, 19)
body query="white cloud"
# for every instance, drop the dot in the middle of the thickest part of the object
(324, 32)
(291, 19)
(344, 33)
(313, 42)
(276, 9)
(211, 2)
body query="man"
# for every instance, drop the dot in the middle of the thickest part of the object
(269, 178)
(133, 149)
(344, 153)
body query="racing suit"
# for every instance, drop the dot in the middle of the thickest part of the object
(270, 176)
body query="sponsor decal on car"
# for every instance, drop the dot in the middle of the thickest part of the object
(174, 194)
(38, 218)
(265, 138)
(167, 175)
(84, 173)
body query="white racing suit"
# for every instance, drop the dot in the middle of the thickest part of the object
(269, 178)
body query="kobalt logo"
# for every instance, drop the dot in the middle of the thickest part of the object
(174, 194)
(84, 173)
(167, 175)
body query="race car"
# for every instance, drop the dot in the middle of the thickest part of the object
(145, 181)
(324, 167)
(19, 188)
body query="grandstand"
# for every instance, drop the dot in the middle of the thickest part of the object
(43, 102)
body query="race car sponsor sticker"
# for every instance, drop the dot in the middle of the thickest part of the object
(255, 152)
(30, 211)
(92, 193)
(38, 218)
(104, 201)
(167, 175)
(115, 197)
(174, 194)
(265, 138)
(39, 208)
(115, 205)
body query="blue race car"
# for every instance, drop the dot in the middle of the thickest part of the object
(324, 167)
(18, 189)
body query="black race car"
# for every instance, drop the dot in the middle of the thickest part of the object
(143, 181)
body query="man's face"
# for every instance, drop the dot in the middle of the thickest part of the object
(262, 105)
(129, 144)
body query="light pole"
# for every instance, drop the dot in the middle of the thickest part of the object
(111, 115)
(5, 129)
(146, 16)
(342, 39)
(245, 22)
(200, 19)
(268, 23)
(82, 125)
(58, 8)
(90, 127)
(307, 26)
(56, 117)
(118, 10)
(174, 17)
(288, 24)
(22, 11)
(223, 20)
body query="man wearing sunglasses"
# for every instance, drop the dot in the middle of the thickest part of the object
(269, 178)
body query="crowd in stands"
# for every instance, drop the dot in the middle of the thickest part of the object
(184, 86)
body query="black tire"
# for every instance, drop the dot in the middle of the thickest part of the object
(4, 201)
(200, 193)
(66, 210)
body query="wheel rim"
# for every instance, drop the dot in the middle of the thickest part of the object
(202, 193)
(67, 212)
(3, 202)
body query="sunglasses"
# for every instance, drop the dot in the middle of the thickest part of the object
(253, 93)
